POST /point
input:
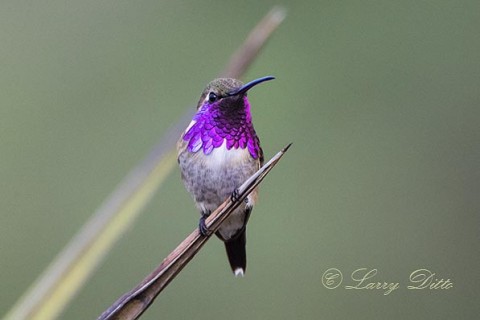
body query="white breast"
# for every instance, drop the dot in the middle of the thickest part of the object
(222, 156)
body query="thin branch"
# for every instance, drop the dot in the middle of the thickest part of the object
(53, 290)
(134, 303)
(255, 41)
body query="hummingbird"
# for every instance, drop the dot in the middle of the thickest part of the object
(217, 152)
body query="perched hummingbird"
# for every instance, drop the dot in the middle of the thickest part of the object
(218, 151)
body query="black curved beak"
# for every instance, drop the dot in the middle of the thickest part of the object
(249, 85)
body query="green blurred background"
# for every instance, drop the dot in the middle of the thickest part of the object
(381, 100)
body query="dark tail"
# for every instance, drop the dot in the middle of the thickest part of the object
(236, 253)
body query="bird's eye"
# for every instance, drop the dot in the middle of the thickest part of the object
(212, 97)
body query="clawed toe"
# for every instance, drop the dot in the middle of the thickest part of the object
(202, 227)
(235, 195)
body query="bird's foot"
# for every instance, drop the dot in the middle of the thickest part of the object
(235, 196)
(202, 227)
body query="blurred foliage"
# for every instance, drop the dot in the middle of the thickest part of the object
(380, 99)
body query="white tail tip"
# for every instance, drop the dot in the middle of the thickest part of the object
(239, 272)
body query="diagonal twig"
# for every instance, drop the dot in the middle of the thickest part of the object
(134, 303)
(256, 40)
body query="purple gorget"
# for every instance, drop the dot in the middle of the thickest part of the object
(215, 125)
